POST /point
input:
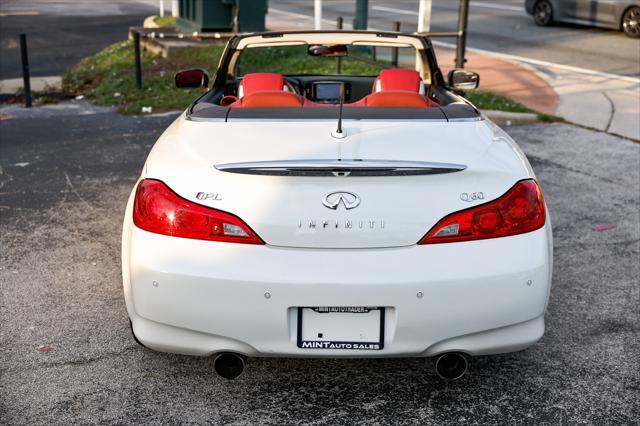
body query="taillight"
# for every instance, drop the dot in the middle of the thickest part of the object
(158, 209)
(518, 211)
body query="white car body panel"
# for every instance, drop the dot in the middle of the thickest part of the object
(279, 208)
(204, 297)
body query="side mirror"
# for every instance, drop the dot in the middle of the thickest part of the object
(460, 79)
(192, 79)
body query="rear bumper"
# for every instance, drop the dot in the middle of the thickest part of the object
(199, 297)
(166, 338)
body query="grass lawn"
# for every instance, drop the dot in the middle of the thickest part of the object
(107, 78)
(165, 21)
(491, 101)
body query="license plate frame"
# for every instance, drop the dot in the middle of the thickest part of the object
(339, 344)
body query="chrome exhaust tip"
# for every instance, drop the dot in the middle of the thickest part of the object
(229, 365)
(451, 365)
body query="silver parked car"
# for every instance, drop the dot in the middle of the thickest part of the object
(622, 15)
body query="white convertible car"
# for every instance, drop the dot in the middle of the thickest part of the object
(325, 199)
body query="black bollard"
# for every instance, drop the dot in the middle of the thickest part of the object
(136, 47)
(25, 70)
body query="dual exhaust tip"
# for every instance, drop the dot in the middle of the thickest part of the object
(229, 365)
(449, 366)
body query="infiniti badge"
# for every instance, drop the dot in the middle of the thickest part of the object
(348, 199)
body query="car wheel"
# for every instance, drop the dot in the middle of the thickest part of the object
(631, 22)
(543, 13)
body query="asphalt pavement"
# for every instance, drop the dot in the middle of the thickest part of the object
(62, 32)
(67, 355)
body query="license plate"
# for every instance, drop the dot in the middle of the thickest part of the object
(341, 327)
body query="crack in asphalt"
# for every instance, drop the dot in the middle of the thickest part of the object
(6, 180)
(78, 361)
(75, 191)
(533, 159)
(613, 112)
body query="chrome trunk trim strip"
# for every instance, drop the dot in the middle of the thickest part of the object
(354, 168)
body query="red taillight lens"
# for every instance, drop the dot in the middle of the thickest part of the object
(518, 211)
(158, 209)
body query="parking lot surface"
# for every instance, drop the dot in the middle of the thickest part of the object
(67, 355)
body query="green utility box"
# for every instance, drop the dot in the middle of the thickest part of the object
(361, 21)
(219, 15)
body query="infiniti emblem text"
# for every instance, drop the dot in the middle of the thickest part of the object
(348, 199)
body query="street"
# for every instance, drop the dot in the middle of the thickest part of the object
(67, 354)
(61, 32)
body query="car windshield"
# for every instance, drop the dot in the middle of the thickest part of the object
(360, 60)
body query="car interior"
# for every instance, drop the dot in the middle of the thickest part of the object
(397, 87)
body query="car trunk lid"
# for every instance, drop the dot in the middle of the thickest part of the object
(384, 185)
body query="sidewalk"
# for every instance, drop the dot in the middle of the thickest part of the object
(596, 100)
(505, 78)
(602, 101)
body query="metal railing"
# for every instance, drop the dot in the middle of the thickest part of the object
(460, 35)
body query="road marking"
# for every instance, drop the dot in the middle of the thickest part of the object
(543, 63)
(479, 4)
(397, 11)
(497, 6)
(301, 16)
(20, 13)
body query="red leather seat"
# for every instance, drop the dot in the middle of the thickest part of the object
(269, 99)
(259, 82)
(399, 88)
(398, 79)
(394, 98)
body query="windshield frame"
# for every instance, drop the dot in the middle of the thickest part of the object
(425, 58)
(355, 56)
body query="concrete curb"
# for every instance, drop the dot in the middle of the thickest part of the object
(38, 84)
(504, 118)
(150, 22)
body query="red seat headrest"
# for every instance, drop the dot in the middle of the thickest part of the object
(258, 82)
(398, 79)
(397, 98)
(269, 99)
